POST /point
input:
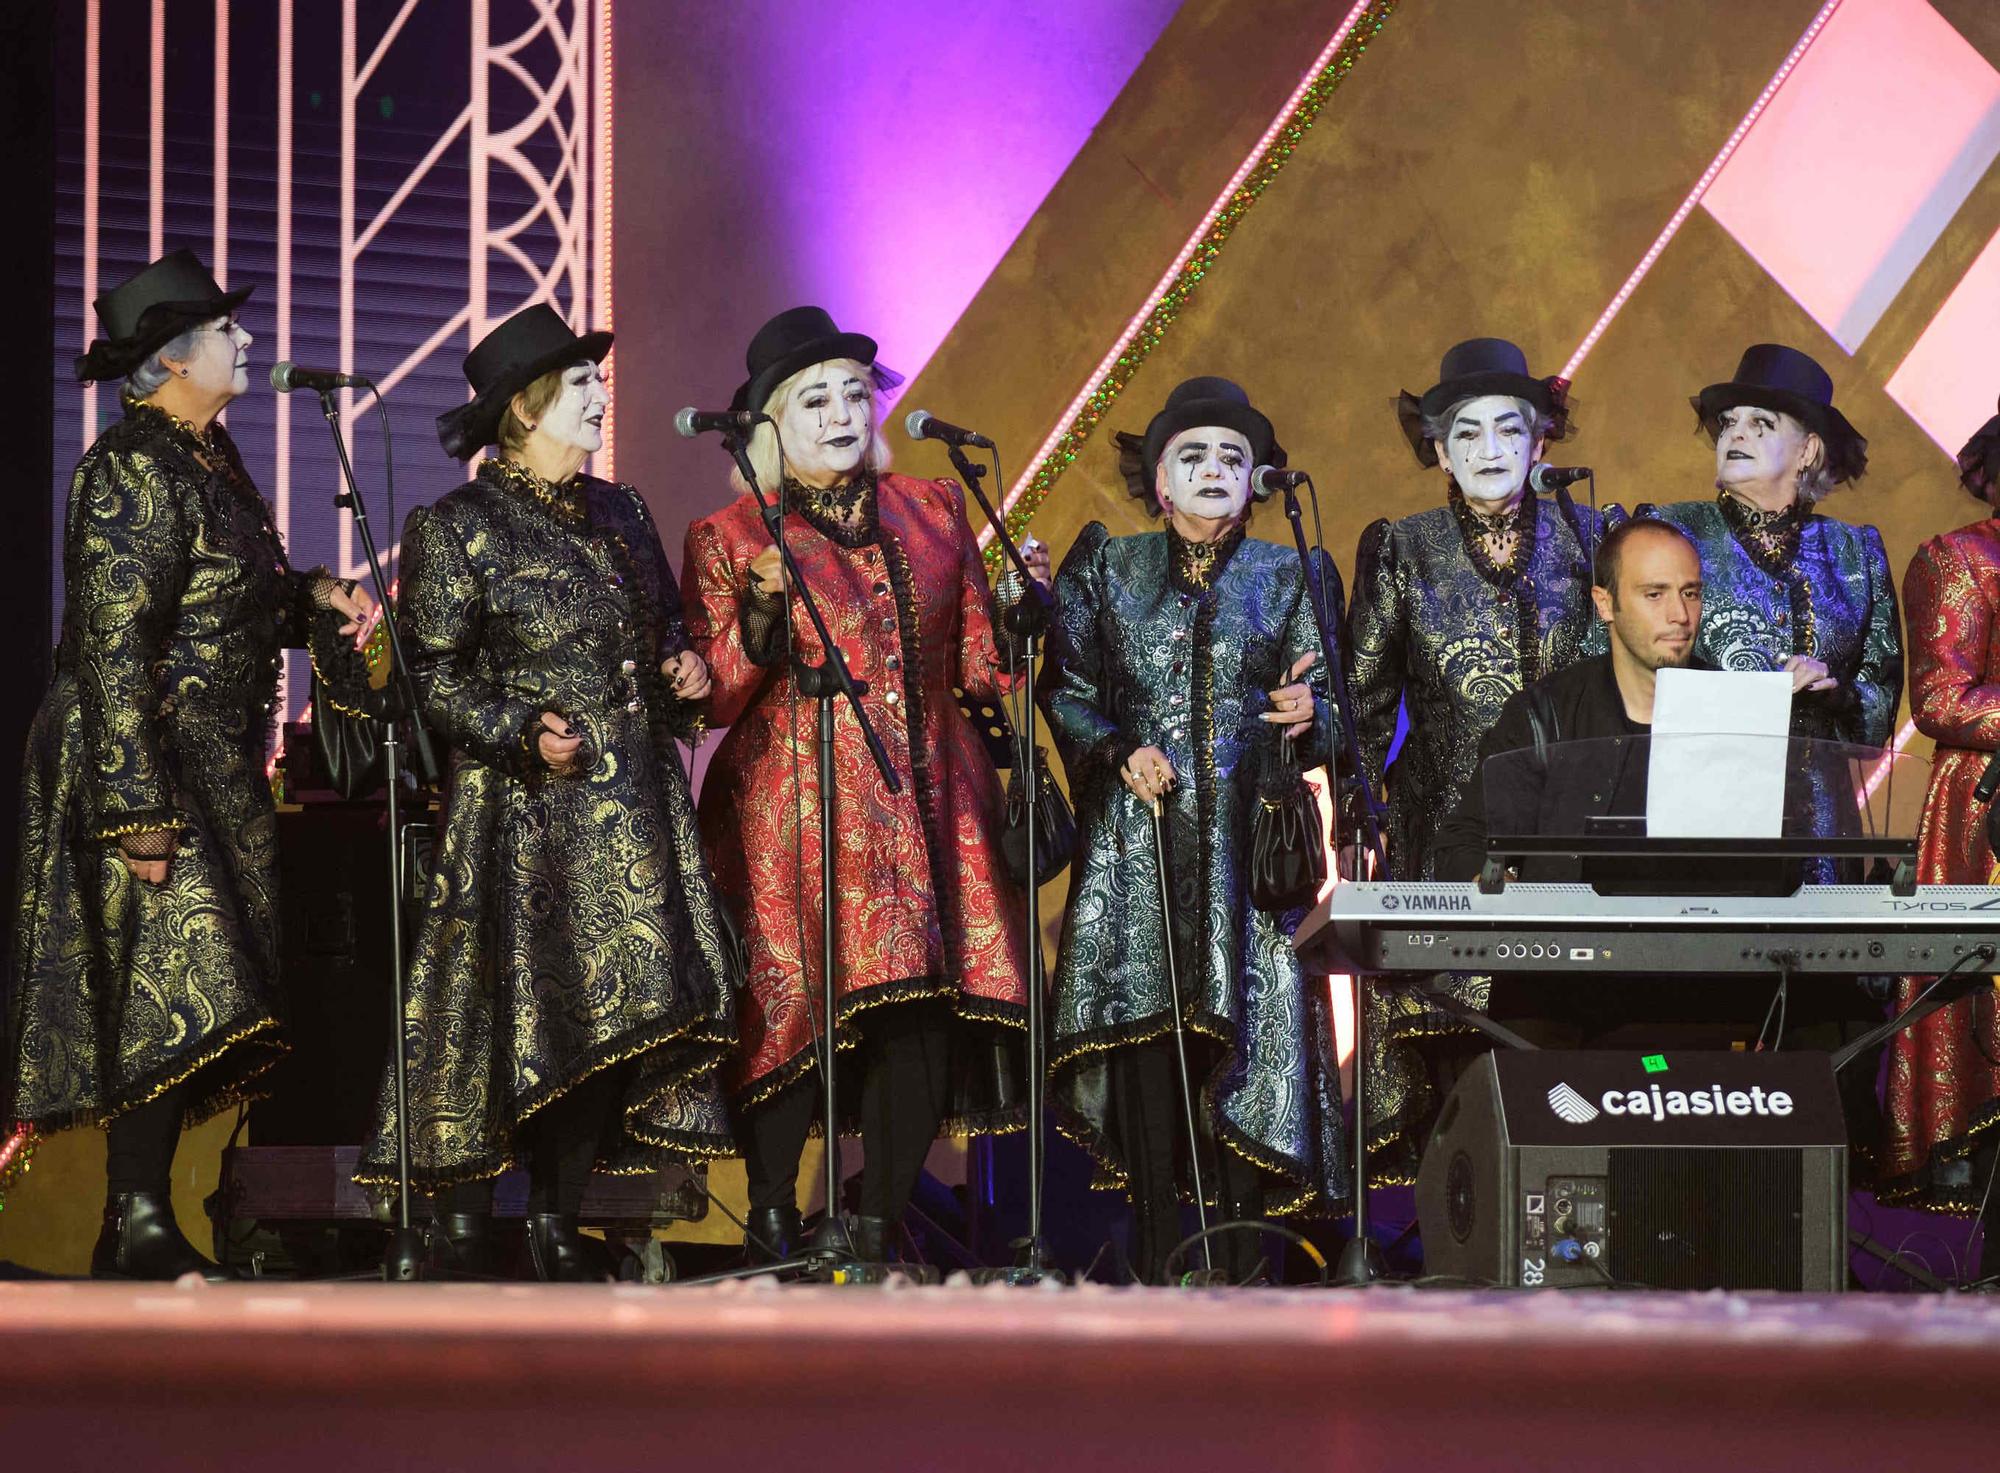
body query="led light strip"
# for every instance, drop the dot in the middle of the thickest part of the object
(1093, 385)
(607, 460)
(1708, 177)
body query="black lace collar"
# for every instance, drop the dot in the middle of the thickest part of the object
(845, 513)
(1523, 521)
(1194, 567)
(1771, 538)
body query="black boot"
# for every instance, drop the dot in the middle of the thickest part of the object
(559, 1254)
(466, 1245)
(141, 1240)
(774, 1234)
(870, 1237)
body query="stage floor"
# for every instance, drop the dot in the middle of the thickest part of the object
(760, 1376)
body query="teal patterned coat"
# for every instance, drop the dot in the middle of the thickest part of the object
(1151, 647)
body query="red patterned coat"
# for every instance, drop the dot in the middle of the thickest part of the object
(925, 906)
(1944, 1087)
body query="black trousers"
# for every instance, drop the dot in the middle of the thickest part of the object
(563, 1142)
(1150, 1128)
(904, 1062)
(139, 1146)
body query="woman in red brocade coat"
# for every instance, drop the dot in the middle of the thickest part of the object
(928, 935)
(1944, 1082)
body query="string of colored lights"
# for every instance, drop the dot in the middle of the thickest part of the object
(1148, 326)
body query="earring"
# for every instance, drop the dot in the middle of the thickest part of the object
(182, 372)
(531, 429)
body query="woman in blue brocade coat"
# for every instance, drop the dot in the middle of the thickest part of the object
(1787, 588)
(1176, 660)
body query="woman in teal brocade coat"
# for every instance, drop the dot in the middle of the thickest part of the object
(1175, 659)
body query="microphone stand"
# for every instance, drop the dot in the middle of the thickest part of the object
(1027, 620)
(403, 1262)
(1360, 1261)
(831, 1247)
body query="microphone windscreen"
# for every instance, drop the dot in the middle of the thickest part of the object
(684, 423)
(281, 376)
(916, 422)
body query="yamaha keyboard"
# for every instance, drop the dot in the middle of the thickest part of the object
(1414, 926)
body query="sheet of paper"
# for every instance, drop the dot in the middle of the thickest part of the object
(1718, 761)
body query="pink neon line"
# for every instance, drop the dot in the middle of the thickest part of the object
(349, 92)
(604, 218)
(156, 174)
(1708, 177)
(219, 231)
(478, 160)
(91, 19)
(1166, 281)
(1880, 772)
(282, 423)
(282, 481)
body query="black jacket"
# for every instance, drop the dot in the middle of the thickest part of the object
(1581, 703)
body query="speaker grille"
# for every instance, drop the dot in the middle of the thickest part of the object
(1707, 1219)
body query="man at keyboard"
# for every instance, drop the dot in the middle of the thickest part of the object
(1648, 585)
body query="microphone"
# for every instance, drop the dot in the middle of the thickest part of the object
(287, 376)
(921, 424)
(1546, 478)
(691, 421)
(1267, 481)
(1989, 781)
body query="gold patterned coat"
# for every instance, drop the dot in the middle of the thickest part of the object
(571, 924)
(178, 602)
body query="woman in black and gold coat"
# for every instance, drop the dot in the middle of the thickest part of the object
(145, 940)
(1455, 609)
(571, 988)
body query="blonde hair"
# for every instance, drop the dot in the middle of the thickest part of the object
(536, 399)
(765, 459)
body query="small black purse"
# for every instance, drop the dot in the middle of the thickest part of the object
(1287, 840)
(1055, 826)
(349, 747)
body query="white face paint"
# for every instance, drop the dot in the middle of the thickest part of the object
(1204, 474)
(826, 422)
(1761, 450)
(574, 419)
(218, 365)
(1487, 449)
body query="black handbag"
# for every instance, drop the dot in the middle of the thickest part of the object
(1287, 840)
(1055, 826)
(349, 747)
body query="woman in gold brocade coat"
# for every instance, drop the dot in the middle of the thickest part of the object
(571, 986)
(145, 940)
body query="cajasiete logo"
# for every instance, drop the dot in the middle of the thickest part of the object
(1571, 1106)
(1656, 1104)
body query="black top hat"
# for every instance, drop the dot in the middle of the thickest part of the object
(1472, 370)
(796, 339)
(1773, 376)
(1979, 461)
(1195, 401)
(145, 312)
(532, 342)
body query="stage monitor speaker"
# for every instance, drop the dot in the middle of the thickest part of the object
(1564, 1169)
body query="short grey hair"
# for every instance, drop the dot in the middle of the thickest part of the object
(1438, 426)
(762, 450)
(144, 381)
